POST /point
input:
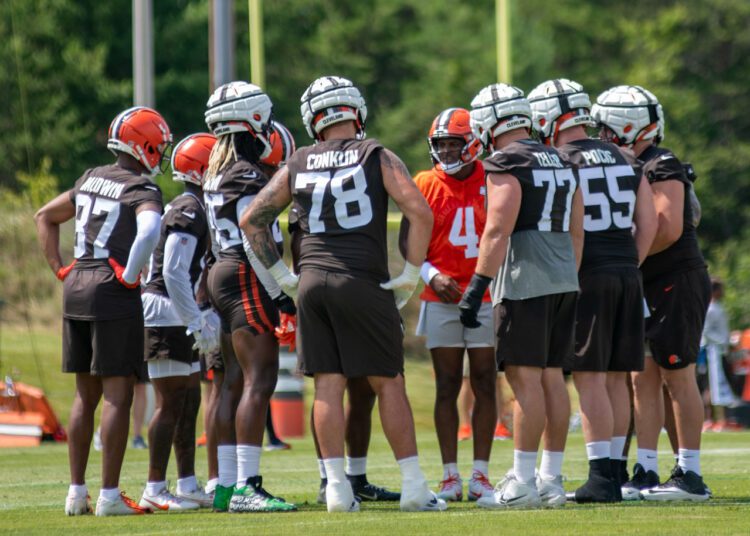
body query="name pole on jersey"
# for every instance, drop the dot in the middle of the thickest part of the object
(257, 65)
(502, 38)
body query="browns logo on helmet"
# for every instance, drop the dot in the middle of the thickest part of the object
(453, 123)
(282, 146)
(142, 133)
(190, 158)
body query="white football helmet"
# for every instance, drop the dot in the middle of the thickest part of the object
(631, 113)
(498, 108)
(557, 105)
(241, 107)
(329, 100)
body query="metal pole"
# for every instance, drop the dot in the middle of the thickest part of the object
(257, 65)
(221, 46)
(143, 53)
(502, 35)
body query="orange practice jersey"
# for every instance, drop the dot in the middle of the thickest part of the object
(459, 211)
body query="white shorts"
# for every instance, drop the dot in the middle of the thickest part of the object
(166, 368)
(441, 324)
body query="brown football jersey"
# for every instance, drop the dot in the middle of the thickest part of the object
(341, 207)
(185, 214)
(106, 199)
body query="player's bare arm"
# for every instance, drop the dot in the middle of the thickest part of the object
(669, 200)
(48, 220)
(400, 186)
(503, 204)
(645, 220)
(262, 212)
(576, 226)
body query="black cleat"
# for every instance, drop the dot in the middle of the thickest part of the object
(601, 485)
(641, 481)
(681, 486)
(365, 491)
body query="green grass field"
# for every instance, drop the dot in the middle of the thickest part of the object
(33, 482)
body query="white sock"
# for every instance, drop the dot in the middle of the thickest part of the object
(322, 469)
(551, 464)
(481, 466)
(647, 458)
(154, 488)
(248, 463)
(335, 470)
(227, 458)
(110, 494)
(74, 490)
(450, 469)
(187, 484)
(411, 473)
(211, 485)
(596, 450)
(356, 466)
(617, 449)
(690, 460)
(524, 464)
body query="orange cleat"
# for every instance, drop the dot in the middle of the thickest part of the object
(502, 433)
(201, 441)
(464, 432)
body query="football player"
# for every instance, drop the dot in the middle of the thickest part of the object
(174, 324)
(531, 245)
(349, 326)
(245, 296)
(455, 191)
(677, 290)
(117, 210)
(609, 325)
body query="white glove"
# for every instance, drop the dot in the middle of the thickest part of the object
(207, 337)
(286, 279)
(404, 285)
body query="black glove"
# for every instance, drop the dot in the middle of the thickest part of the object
(471, 301)
(285, 304)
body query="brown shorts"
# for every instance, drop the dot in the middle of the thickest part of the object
(538, 332)
(609, 322)
(104, 347)
(169, 342)
(347, 325)
(240, 299)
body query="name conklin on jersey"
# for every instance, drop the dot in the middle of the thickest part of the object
(330, 159)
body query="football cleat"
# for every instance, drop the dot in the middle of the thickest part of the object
(642, 480)
(551, 491)
(78, 506)
(365, 491)
(421, 499)
(121, 506)
(451, 489)
(479, 486)
(464, 432)
(139, 443)
(512, 493)
(277, 445)
(340, 497)
(682, 486)
(164, 501)
(253, 498)
(222, 496)
(502, 433)
(597, 489)
(203, 498)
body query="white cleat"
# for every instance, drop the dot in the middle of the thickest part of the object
(166, 502)
(421, 499)
(340, 497)
(121, 506)
(512, 493)
(551, 491)
(78, 506)
(451, 489)
(480, 486)
(204, 499)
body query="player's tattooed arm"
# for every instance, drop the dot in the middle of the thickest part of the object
(262, 212)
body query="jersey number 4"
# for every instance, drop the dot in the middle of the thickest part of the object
(348, 187)
(463, 232)
(85, 207)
